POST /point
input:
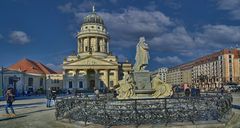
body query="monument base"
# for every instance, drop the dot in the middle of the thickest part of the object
(142, 79)
(144, 93)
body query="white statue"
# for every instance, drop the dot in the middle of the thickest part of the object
(142, 55)
(161, 89)
(125, 90)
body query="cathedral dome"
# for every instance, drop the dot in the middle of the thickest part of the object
(93, 18)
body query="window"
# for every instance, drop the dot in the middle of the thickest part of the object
(41, 81)
(70, 84)
(111, 73)
(86, 48)
(30, 81)
(80, 84)
(230, 56)
(92, 26)
(10, 81)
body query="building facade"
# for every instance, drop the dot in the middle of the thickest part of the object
(162, 72)
(208, 72)
(93, 67)
(28, 76)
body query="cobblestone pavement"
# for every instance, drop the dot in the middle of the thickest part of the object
(32, 113)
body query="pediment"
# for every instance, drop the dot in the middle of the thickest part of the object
(90, 61)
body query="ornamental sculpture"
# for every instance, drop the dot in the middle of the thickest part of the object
(126, 85)
(161, 89)
(142, 55)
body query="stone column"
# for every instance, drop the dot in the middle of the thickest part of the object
(75, 79)
(115, 77)
(82, 46)
(106, 78)
(107, 43)
(95, 44)
(89, 43)
(96, 78)
(79, 46)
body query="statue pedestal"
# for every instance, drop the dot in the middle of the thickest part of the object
(143, 84)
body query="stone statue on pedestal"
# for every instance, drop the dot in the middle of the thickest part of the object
(125, 90)
(161, 89)
(142, 55)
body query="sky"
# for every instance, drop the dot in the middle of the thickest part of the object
(177, 31)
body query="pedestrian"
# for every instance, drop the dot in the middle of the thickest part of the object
(193, 91)
(10, 99)
(49, 98)
(197, 91)
(54, 96)
(96, 91)
(222, 90)
(187, 92)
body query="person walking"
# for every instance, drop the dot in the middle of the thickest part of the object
(198, 92)
(193, 91)
(54, 96)
(9, 100)
(187, 92)
(49, 98)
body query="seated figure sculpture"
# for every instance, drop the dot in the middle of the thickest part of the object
(161, 89)
(125, 90)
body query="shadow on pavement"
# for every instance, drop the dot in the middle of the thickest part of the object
(24, 114)
(236, 106)
(21, 105)
(12, 118)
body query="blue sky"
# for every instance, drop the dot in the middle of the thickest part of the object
(177, 31)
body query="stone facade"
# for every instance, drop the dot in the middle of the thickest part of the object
(208, 72)
(93, 67)
(26, 81)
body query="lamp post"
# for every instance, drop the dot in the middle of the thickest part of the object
(1, 89)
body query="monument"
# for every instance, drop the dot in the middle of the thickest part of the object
(142, 76)
(139, 84)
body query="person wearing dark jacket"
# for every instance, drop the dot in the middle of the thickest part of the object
(10, 100)
(49, 98)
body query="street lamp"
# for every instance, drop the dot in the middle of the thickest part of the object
(1, 93)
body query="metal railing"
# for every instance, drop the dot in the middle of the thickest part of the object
(110, 112)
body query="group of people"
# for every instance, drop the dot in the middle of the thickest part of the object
(192, 91)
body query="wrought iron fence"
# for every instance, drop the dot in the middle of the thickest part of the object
(110, 112)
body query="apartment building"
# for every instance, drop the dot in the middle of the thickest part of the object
(208, 72)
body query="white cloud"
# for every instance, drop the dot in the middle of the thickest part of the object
(19, 37)
(161, 32)
(171, 60)
(177, 39)
(233, 6)
(217, 36)
(131, 23)
(67, 8)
